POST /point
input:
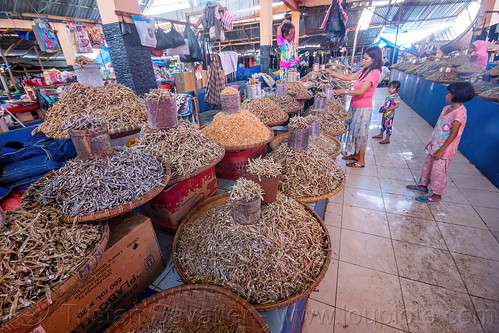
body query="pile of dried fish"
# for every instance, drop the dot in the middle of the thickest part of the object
(82, 187)
(82, 60)
(298, 123)
(494, 71)
(469, 68)
(37, 252)
(307, 173)
(83, 121)
(266, 168)
(492, 93)
(266, 110)
(483, 86)
(252, 81)
(456, 61)
(278, 257)
(312, 119)
(286, 103)
(237, 129)
(330, 125)
(183, 147)
(230, 91)
(320, 95)
(159, 94)
(427, 68)
(281, 81)
(199, 322)
(246, 190)
(335, 107)
(443, 76)
(311, 76)
(298, 90)
(117, 105)
(341, 68)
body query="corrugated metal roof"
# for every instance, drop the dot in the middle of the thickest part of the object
(71, 8)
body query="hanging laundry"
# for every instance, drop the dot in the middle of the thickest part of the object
(229, 61)
(227, 20)
(216, 81)
(334, 23)
(145, 28)
(211, 21)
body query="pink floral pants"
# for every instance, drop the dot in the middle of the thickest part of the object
(434, 175)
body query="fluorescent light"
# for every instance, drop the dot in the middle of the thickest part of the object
(279, 16)
(365, 18)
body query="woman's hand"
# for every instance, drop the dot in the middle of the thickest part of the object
(286, 21)
(338, 92)
(330, 72)
(438, 155)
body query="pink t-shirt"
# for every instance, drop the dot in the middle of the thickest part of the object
(442, 131)
(366, 100)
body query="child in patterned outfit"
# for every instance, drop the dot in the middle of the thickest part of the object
(388, 111)
(442, 147)
(286, 43)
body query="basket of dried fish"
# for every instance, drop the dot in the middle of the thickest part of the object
(189, 308)
(335, 107)
(238, 131)
(494, 71)
(299, 91)
(324, 143)
(272, 264)
(184, 147)
(469, 68)
(491, 95)
(266, 110)
(266, 173)
(93, 190)
(483, 86)
(43, 261)
(443, 77)
(289, 104)
(330, 124)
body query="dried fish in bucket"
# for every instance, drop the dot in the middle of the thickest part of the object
(246, 201)
(330, 125)
(86, 186)
(286, 102)
(277, 258)
(37, 252)
(83, 121)
(82, 60)
(264, 168)
(184, 147)
(266, 110)
(298, 90)
(245, 190)
(230, 91)
(252, 81)
(298, 123)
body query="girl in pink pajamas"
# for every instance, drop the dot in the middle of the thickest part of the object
(442, 147)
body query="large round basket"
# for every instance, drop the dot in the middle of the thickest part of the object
(113, 133)
(31, 317)
(442, 81)
(251, 145)
(489, 98)
(114, 211)
(345, 129)
(297, 109)
(283, 119)
(179, 305)
(220, 200)
(278, 140)
(325, 196)
(345, 118)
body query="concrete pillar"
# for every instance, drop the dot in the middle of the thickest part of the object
(131, 61)
(265, 34)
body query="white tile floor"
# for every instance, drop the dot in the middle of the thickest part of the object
(403, 266)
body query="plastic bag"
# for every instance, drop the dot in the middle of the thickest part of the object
(195, 53)
(179, 51)
(174, 38)
(162, 39)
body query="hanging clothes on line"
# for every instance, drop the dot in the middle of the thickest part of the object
(146, 28)
(211, 21)
(216, 81)
(334, 24)
(229, 61)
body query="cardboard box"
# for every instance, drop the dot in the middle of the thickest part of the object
(131, 262)
(184, 82)
(168, 208)
(24, 116)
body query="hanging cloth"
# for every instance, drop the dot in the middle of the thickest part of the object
(216, 81)
(326, 18)
(145, 28)
(227, 19)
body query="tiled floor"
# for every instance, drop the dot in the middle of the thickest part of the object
(403, 266)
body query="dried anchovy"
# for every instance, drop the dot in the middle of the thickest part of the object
(266, 168)
(82, 60)
(494, 71)
(195, 322)
(159, 94)
(266, 110)
(312, 119)
(281, 81)
(285, 102)
(330, 125)
(82, 187)
(307, 173)
(252, 81)
(37, 252)
(298, 90)
(274, 259)
(246, 190)
(320, 95)
(335, 107)
(321, 143)
(83, 121)
(443, 76)
(483, 86)
(311, 76)
(184, 147)
(114, 103)
(469, 67)
(456, 61)
(298, 123)
(491, 93)
(230, 91)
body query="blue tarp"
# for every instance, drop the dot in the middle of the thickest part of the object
(389, 44)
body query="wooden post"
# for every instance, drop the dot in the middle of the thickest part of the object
(8, 68)
(196, 95)
(38, 57)
(354, 45)
(396, 36)
(5, 86)
(295, 19)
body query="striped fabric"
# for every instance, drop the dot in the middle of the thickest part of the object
(345, 15)
(216, 81)
(227, 20)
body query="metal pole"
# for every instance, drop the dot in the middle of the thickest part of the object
(396, 36)
(8, 69)
(38, 57)
(196, 95)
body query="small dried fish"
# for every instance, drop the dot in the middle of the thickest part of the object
(330, 125)
(321, 143)
(312, 119)
(266, 168)
(230, 91)
(266, 110)
(285, 102)
(252, 81)
(469, 67)
(494, 92)
(281, 81)
(444, 76)
(298, 90)
(320, 95)
(298, 123)
(245, 190)
(159, 94)
(483, 86)
(197, 321)
(82, 60)
(83, 121)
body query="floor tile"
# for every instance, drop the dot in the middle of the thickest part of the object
(490, 216)
(428, 265)
(415, 231)
(455, 213)
(488, 313)
(479, 275)
(338, 197)
(473, 181)
(373, 294)
(466, 168)
(398, 187)
(368, 170)
(334, 234)
(365, 220)
(433, 309)
(404, 205)
(393, 172)
(453, 194)
(333, 214)
(471, 241)
(350, 322)
(368, 251)
(383, 161)
(481, 198)
(318, 318)
(496, 234)
(363, 182)
(326, 290)
(363, 199)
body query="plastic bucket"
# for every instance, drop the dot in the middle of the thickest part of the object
(320, 103)
(254, 91)
(89, 75)
(298, 139)
(281, 89)
(230, 103)
(292, 76)
(315, 67)
(270, 186)
(93, 143)
(246, 212)
(329, 92)
(315, 129)
(162, 113)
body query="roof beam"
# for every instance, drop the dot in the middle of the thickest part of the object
(13, 46)
(54, 17)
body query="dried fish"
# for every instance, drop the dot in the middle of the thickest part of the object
(298, 123)
(494, 71)
(278, 257)
(444, 76)
(83, 121)
(37, 252)
(266, 168)
(82, 60)
(494, 92)
(483, 86)
(320, 95)
(469, 67)
(159, 94)
(266, 110)
(246, 190)
(285, 102)
(252, 81)
(82, 187)
(281, 81)
(196, 321)
(298, 90)
(184, 147)
(230, 91)
(321, 143)
(330, 124)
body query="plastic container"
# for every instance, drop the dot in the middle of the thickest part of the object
(292, 76)
(254, 91)
(323, 67)
(315, 67)
(269, 185)
(234, 164)
(89, 75)
(230, 103)
(329, 92)
(298, 139)
(246, 212)
(320, 103)
(315, 129)
(93, 143)
(162, 113)
(281, 89)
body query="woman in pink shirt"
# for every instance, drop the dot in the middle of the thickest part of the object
(366, 81)
(480, 52)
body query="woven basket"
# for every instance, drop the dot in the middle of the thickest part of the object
(113, 133)
(336, 191)
(251, 145)
(442, 82)
(281, 137)
(234, 164)
(182, 302)
(489, 98)
(345, 118)
(336, 134)
(220, 200)
(31, 317)
(115, 211)
(283, 119)
(297, 109)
